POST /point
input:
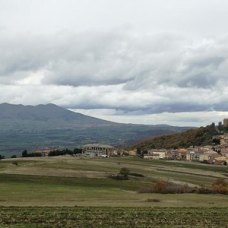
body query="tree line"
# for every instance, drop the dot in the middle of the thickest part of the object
(53, 152)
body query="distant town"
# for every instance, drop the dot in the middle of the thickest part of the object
(216, 154)
(210, 154)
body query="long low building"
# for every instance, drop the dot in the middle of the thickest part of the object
(98, 150)
(156, 154)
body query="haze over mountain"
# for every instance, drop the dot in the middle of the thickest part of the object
(30, 127)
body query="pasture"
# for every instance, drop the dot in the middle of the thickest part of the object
(81, 190)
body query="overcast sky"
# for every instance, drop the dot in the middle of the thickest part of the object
(138, 61)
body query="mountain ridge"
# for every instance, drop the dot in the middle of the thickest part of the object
(48, 112)
(28, 127)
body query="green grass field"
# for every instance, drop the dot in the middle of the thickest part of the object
(71, 185)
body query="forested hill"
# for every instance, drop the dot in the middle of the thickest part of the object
(193, 137)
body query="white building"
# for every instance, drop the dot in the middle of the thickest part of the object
(156, 154)
(98, 150)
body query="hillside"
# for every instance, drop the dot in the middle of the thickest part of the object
(28, 127)
(193, 137)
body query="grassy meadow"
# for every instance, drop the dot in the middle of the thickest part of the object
(35, 185)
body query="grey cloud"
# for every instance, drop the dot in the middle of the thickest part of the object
(105, 58)
(140, 74)
(188, 67)
(83, 59)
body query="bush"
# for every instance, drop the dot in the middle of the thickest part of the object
(220, 181)
(145, 190)
(119, 177)
(166, 187)
(204, 190)
(35, 154)
(220, 186)
(153, 200)
(15, 163)
(25, 153)
(159, 186)
(125, 172)
(122, 175)
(136, 174)
(65, 152)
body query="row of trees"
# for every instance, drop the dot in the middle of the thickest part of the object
(26, 154)
(53, 153)
(65, 152)
(3, 157)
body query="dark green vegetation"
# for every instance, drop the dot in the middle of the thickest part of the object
(28, 127)
(194, 137)
(113, 217)
(51, 153)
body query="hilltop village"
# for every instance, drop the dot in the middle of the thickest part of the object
(216, 153)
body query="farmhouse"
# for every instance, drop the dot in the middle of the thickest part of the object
(98, 150)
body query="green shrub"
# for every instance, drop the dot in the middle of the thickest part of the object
(124, 171)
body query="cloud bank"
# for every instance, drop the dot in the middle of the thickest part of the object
(119, 70)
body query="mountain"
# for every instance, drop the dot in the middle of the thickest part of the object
(193, 137)
(28, 127)
(48, 116)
